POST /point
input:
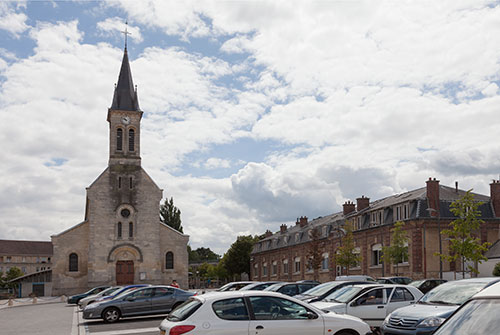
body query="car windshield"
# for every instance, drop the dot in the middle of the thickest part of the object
(453, 293)
(108, 291)
(321, 289)
(344, 295)
(273, 287)
(416, 283)
(183, 311)
(477, 317)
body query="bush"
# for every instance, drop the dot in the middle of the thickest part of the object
(496, 270)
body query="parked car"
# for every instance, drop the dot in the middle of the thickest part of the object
(425, 285)
(142, 301)
(75, 298)
(309, 281)
(120, 291)
(91, 298)
(355, 277)
(252, 312)
(370, 302)
(394, 280)
(290, 289)
(479, 315)
(234, 286)
(434, 307)
(259, 286)
(321, 291)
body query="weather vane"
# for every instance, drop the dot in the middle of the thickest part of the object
(126, 33)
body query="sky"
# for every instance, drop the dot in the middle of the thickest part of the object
(255, 112)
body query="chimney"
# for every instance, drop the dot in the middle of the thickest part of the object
(303, 221)
(349, 207)
(268, 233)
(283, 228)
(362, 203)
(433, 195)
(495, 196)
(456, 187)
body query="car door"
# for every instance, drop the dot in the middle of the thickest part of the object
(370, 306)
(137, 302)
(163, 299)
(232, 317)
(280, 316)
(400, 297)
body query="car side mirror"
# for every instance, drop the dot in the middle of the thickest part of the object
(310, 315)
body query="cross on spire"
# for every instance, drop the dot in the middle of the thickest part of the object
(125, 32)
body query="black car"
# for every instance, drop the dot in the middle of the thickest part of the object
(425, 285)
(74, 299)
(290, 289)
(321, 291)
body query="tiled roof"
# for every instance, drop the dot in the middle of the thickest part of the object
(13, 247)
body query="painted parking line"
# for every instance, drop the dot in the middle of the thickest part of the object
(129, 331)
(74, 325)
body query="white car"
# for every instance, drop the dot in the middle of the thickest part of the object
(256, 312)
(370, 302)
(91, 298)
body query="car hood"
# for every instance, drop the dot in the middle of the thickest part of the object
(330, 306)
(422, 311)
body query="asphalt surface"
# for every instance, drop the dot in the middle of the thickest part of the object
(63, 319)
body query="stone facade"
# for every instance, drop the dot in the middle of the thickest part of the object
(121, 240)
(28, 256)
(285, 255)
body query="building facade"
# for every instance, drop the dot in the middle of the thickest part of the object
(285, 255)
(121, 240)
(28, 256)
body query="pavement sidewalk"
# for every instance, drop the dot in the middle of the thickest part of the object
(30, 301)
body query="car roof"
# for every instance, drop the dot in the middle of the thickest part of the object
(490, 291)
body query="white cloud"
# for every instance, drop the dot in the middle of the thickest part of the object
(115, 26)
(217, 163)
(12, 21)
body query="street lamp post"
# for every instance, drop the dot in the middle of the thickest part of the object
(432, 210)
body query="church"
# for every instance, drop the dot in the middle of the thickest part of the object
(121, 239)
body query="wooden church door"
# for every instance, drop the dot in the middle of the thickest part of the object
(124, 272)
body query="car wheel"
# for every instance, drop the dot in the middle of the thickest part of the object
(111, 315)
(346, 332)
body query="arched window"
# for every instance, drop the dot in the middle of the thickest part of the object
(169, 260)
(130, 230)
(119, 139)
(131, 138)
(119, 230)
(73, 262)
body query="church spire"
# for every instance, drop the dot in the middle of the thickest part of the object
(125, 96)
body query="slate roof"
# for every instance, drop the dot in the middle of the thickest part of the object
(125, 96)
(13, 247)
(493, 251)
(417, 200)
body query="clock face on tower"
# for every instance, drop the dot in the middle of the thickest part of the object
(126, 120)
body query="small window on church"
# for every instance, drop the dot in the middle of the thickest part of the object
(119, 182)
(169, 260)
(73, 262)
(131, 138)
(125, 213)
(119, 139)
(130, 230)
(131, 183)
(119, 230)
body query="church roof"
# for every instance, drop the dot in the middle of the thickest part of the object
(13, 247)
(125, 96)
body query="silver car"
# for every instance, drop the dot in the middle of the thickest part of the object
(143, 301)
(91, 298)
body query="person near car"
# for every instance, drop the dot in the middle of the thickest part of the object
(174, 284)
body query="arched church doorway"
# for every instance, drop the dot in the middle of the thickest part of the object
(124, 272)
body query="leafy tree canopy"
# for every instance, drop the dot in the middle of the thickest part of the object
(201, 255)
(171, 215)
(345, 256)
(397, 252)
(237, 258)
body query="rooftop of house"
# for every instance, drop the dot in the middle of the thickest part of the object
(25, 248)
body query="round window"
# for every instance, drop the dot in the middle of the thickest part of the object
(125, 213)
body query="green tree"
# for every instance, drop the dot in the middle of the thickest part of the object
(314, 251)
(13, 273)
(496, 270)
(345, 256)
(237, 258)
(463, 244)
(171, 215)
(397, 252)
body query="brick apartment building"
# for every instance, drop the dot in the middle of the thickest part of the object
(284, 255)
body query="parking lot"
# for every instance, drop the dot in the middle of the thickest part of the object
(137, 325)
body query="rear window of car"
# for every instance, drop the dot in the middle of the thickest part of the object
(184, 310)
(231, 309)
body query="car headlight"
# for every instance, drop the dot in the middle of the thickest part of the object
(431, 322)
(386, 320)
